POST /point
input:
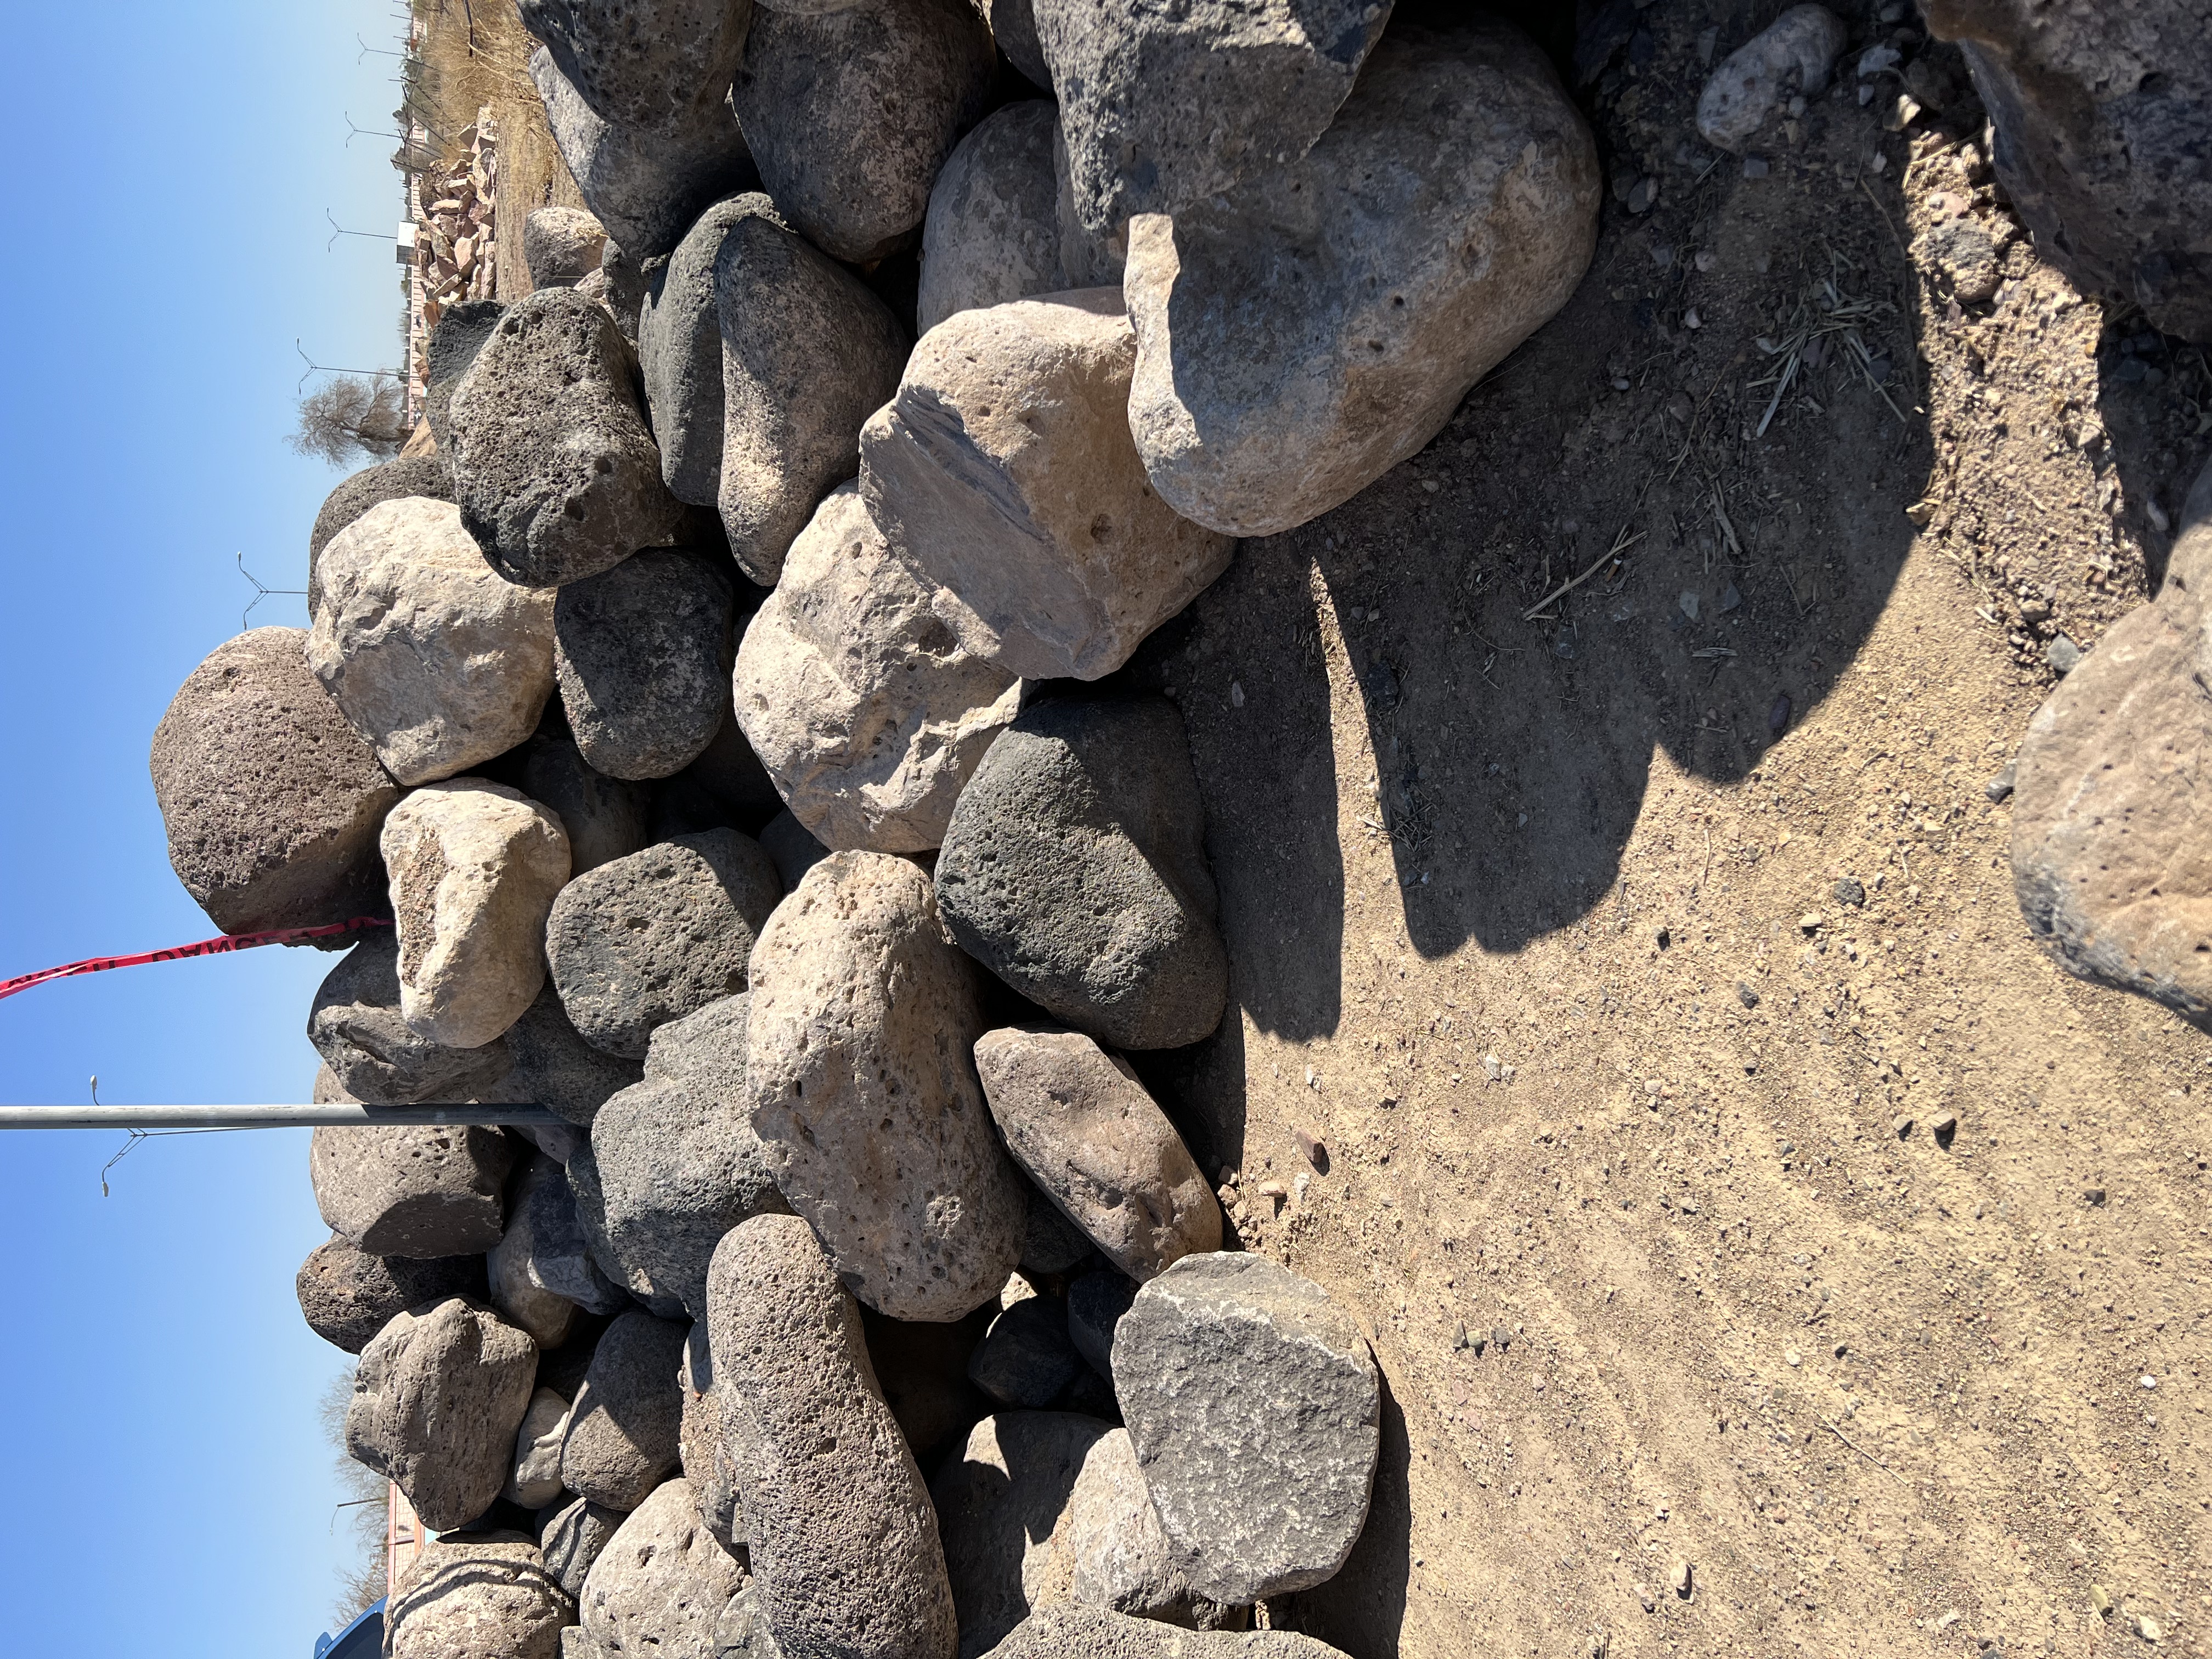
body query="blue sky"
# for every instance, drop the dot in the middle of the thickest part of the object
(167, 1488)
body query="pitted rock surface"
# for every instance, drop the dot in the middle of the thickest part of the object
(842, 1540)
(414, 1190)
(1075, 869)
(1004, 475)
(437, 1398)
(554, 467)
(993, 233)
(864, 1090)
(655, 936)
(660, 1584)
(625, 1429)
(271, 800)
(867, 713)
(1255, 1412)
(562, 246)
(348, 1295)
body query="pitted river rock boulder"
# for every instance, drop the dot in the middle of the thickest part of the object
(660, 1584)
(624, 1430)
(356, 1026)
(993, 233)
(414, 1190)
(348, 1295)
(642, 655)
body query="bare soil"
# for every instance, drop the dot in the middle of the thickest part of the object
(1620, 1119)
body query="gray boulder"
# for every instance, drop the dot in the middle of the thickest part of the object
(571, 1537)
(606, 818)
(843, 1541)
(555, 469)
(460, 333)
(1096, 1302)
(660, 1586)
(553, 1066)
(590, 1203)
(791, 847)
(542, 1270)
(625, 1426)
(679, 349)
(993, 233)
(644, 184)
(356, 1027)
(1003, 474)
(1794, 53)
(678, 1163)
(1070, 1632)
(1051, 1243)
(806, 352)
(436, 1401)
(2101, 110)
(869, 716)
(643, 654)
(561, 245)
(1091, 259)
(348, 1295)
(1002, 1507)
(1013, 26)
(1167, 105)
(1075, 870)
(851, 115)
(477, 1598)
(427, 476)
(474, 869)
(1300, 335)
(1084, 1130)
(432, 656)
(862, 1087)
(743, 1631)
(1122, 1560)
(642, 62)
(418, 1191)
(535, 1479)
(271, 800)
(655, 936)
(1026, 1361)
(1255, 1412)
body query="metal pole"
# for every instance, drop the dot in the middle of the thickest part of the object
(341, 1113)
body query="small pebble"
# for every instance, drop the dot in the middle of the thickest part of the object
(1999, 787)
(1943, 1125)
(1754, 166)
(2063, 654)
(2093, 1195)
(1791, 1357)
(1502, 1337)
(1903, 1124)
(1679, 1579)
(1809, 922)
(1851, 891)
(1777, 717)
(2101, 1600)
(1746, 995)
(1644, 1596)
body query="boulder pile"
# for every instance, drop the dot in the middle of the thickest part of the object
(712, 717)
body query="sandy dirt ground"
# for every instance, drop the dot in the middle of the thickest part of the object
(1603, 972)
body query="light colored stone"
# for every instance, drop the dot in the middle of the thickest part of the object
(422, 1190)
(658, 1587)
(1003, 475)
(561, 245)
(1082, 1127)
(436, 1401)
(1091, 1633)
(436, 658)
(535, 1479)
(864, 1090)
(1122, 1561)
(867, 713)
(993, 233)
(806, 352)
(1255, 1412)
(1002, 1508)
(1169, 101)
(843, 1541)
(271, 800)
(475, 868)
(477, 1598)
(1793, 53)
(1301, 336)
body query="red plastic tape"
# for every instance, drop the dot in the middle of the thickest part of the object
(207, 947)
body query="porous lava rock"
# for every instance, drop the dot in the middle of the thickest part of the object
(348, 1296)
(641, 653)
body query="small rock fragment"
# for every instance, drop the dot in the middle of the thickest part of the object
(1795, 53)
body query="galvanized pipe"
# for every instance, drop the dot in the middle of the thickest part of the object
(342, 1114)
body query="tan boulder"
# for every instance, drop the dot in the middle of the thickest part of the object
(416, 1190)
(432, 655)
(858, 1061)
(868, 714)
(1004, 475)
(477, 1598)
(475, 868)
